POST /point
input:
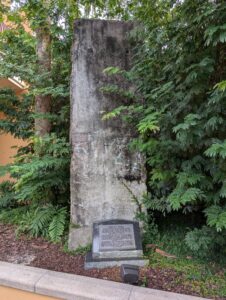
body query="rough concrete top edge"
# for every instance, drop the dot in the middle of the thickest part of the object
(92, 20)
(116, 221)
(80, 23)
(69, 286)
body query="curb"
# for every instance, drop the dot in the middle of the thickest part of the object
(68, 286)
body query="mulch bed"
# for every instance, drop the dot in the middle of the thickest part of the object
(40, 253)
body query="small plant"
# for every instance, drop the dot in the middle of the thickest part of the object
(79, 251)
(49, 222)
(144, 281)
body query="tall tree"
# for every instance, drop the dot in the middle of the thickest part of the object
(43, 51)
(41, 57)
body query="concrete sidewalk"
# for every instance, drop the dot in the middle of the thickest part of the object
(68, 286)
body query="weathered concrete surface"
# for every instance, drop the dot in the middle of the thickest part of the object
(103, 171)
(80, 237)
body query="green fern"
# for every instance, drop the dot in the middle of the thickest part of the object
(48, 221)
(40, 221)
(57, 225)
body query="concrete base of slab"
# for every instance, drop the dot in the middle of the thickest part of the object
(101, 263)
(79, 237)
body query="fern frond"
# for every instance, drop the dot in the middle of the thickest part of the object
(57, 225)
(41, 220)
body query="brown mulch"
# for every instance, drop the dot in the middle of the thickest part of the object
(40, 253)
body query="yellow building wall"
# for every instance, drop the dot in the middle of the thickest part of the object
(7, 293)
(7, 141)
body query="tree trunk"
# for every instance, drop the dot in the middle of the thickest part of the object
(43, 102)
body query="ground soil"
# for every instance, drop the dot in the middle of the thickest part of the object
(40, 253)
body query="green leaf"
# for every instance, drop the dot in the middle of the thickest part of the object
(57, 225)
(217, 150)
(216, 217)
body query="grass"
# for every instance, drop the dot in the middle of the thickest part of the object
(202, 275)
(206, 279)
(79, 251)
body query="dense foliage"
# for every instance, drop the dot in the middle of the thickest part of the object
(41, 169)
(180, 71)
(39, 197)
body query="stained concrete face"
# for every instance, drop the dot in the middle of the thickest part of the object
(105, 175)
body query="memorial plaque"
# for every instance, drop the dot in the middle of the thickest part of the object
(115, 242)
(117, 237)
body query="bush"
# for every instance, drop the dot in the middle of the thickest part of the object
(7, 197)
(179, 70)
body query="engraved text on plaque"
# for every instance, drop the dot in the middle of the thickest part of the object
(116, 237)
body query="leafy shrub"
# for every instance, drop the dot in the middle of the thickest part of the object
(43, 176)
(206, 242)
(37, 202)
(7, 197)
(179, 71)
(13, 215)
(38, 199)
